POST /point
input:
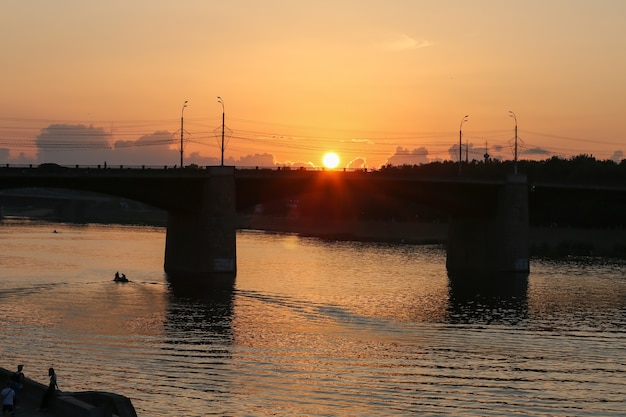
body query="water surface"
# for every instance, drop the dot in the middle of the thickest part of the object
(311, 328)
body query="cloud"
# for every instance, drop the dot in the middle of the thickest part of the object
(359, 141)
(152, 149)
(21, 158)
(88, 145)
(200, 160)
(357, 163)
(403, 42)
(617, 156)
(535, 151)
(260, 160)
(264, 160)
(472, 154)
(66, 144)
(403, 156)
(297, 164)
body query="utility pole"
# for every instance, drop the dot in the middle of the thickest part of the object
(219, 100)
(466, 152)
(181, 132)
(515, 158)
(463, 120)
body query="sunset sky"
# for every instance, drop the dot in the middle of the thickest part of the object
(385, 81)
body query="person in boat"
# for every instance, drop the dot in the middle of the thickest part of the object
(119, 278)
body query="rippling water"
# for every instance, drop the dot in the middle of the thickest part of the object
(311, 328)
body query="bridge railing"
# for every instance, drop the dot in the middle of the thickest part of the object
(56, 170)
(99, 166)
(53, 166)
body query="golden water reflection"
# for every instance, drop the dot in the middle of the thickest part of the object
(312, 328)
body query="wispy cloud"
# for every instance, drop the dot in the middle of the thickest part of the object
(535, 151)
(358, 141)
(403, 42)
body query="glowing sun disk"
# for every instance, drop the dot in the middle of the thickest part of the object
(331, 160)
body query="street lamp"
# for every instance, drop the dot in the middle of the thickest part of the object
(463, 120)
(219, 100)
(511, 114)
(181, 132)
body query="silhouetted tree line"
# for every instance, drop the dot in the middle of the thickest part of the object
(593, 207)
(580, 169)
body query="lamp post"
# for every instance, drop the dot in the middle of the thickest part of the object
(511, 114)
(463, 120)
(181, 132)
(219, 100)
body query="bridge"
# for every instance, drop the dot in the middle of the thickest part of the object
(200, 203)
(488, 219)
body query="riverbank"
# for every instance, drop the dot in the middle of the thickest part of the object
(388, 231)
(544, 241)
(559, 242)
(550, 242)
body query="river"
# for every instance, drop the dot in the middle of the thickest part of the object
(311, 328)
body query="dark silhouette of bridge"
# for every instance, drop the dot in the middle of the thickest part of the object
(200, 206)
(488, 219)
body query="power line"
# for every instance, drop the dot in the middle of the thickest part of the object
(436, 142)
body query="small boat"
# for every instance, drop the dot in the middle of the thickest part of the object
(120, 278)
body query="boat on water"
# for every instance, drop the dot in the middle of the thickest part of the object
(120, 278)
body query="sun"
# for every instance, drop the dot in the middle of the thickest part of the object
(330, 160)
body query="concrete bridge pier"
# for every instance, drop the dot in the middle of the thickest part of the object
(495, 244)
(200, 246)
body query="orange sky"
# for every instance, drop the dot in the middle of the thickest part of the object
(299, 78)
